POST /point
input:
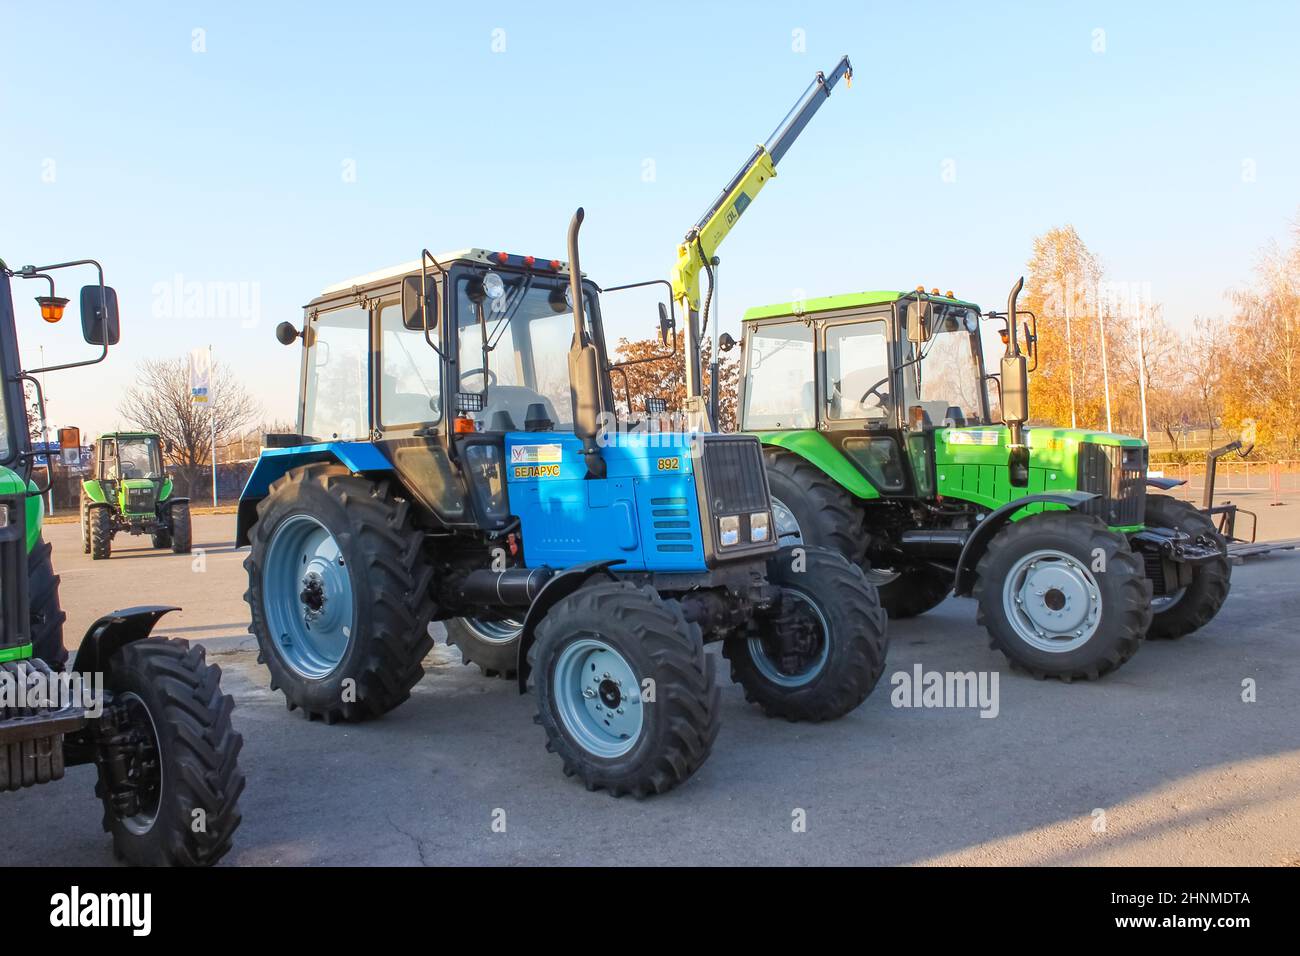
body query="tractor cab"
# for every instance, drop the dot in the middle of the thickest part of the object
(871, 375)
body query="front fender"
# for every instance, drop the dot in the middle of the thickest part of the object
(984, 532)
(114, 631)
(554, 591)
(93, 490)
(272, 465)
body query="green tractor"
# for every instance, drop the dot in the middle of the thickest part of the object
(129, 492)
(880, 441)
(147, 712)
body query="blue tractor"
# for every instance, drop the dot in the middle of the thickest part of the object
(457, 457)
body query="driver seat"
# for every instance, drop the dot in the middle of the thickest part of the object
(514, 401)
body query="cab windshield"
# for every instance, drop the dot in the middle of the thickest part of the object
(947, 383)
(529, 327)
(138, 458)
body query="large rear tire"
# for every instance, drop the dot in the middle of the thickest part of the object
(101, 532)
(181, 535)
(1177, 615)
(339, 593)
(839, 653)
(1063, 596)
(625, 691)
(47, 615)
(492, 645)
(182, 808)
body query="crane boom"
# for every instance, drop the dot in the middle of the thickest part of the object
(704, 238)
(697, 249)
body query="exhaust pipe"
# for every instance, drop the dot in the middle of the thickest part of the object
(1015, 395)
(584, 364)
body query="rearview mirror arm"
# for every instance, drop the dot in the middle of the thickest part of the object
(37, 272)
(427, 256)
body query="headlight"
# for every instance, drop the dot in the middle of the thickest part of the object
(4, 516)
(568, 295)
(493, 286)
(729, 530)
(759, 527)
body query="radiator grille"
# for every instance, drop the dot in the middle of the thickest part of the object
(1118, 474)
(734, 479)
(140, 501)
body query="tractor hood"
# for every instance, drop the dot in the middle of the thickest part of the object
(971, 463)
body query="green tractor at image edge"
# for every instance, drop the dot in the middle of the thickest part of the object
(158, 730)
(875, 416)
(130, 493)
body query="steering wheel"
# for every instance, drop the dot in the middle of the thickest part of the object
(127, 468)
(489, 375)
(882, 399)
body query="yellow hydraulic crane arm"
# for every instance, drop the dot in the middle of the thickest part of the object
(704, 238)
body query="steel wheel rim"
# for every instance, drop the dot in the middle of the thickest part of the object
(141, 823)
(768, 668)
(503, 631)
(307, 597)
(598, 698)
(1052, 601)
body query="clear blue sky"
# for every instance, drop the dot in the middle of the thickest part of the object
(227, 166)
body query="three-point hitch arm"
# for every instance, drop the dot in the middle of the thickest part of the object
(697, 250)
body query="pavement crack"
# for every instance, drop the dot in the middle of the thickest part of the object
(415, 840)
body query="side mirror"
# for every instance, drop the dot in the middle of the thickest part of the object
(286, 333)
(725, 342)
(666, 325)
(413, 303)
(99, 321)
(918, 322)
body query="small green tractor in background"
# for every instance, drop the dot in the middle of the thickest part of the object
(129, 492)
(147, 712)
(880, 442)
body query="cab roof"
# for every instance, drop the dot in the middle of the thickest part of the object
(445, 259)
(850, 300)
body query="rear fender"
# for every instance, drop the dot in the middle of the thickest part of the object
(554, 591)
(272, 465)
(114, 631)
(986, 530)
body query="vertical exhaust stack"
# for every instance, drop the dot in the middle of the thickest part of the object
(584, 364)
(1015, 394)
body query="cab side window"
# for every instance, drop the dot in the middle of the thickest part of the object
(857, 380)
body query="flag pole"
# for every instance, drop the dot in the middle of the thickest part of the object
(212, 420)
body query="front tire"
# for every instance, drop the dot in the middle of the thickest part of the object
(1178, 615)
(1063, 596)
(839, 653)
(492, 645)
(47, 615)
(338, 587)
(101, 532)
(625, 692)
(183, 806)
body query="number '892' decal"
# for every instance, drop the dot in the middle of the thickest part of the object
(670, 464)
